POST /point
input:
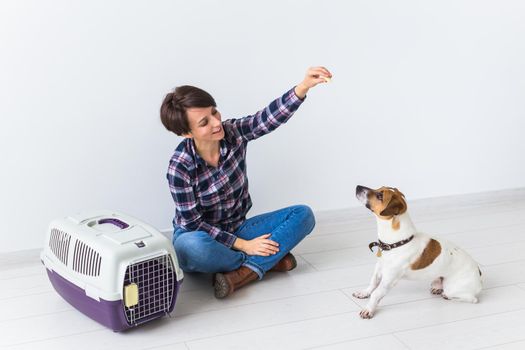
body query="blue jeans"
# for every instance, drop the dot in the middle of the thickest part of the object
(197, 251)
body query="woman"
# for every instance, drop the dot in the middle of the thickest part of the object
(207, 179)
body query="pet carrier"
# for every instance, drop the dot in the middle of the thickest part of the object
(117, 270)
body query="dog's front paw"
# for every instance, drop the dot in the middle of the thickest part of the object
(366, 314)
(361, 295)
(436, 291)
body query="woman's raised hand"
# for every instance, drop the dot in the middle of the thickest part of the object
(314, 76)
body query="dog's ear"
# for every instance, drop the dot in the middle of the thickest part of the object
(399, 192)
(396, 206)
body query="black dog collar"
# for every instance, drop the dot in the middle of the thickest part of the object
(386, 246)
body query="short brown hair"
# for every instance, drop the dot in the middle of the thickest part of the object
(173, 109)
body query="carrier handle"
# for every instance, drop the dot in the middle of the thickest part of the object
(114, 221)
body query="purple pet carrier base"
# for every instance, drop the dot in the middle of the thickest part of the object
(108, 313)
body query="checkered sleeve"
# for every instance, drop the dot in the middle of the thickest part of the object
(187, 213)
(268, 119)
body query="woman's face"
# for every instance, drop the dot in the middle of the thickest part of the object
(205, 124)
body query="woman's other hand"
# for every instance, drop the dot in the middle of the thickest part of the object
(314, 76)
(261, 245)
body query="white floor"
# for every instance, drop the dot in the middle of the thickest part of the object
(312, 306)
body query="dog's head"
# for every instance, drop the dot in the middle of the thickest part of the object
(385, 202)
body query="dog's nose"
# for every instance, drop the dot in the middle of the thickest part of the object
(359, 189)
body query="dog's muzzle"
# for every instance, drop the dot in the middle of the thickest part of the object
(361, 193)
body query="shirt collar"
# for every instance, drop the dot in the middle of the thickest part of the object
(223, 149)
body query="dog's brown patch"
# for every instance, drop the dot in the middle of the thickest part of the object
(431, 252)
(395, 223)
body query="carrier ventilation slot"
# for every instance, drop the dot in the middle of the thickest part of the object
(86, 260)
(155, 279)
(59, 244)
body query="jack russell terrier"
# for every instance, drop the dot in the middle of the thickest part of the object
(404, 252)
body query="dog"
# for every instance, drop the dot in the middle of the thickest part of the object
(404, 252)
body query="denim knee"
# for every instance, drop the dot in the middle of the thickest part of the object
(307, 217)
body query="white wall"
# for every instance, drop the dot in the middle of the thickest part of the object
(427, 96)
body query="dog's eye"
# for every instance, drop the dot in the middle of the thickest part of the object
(379, 195)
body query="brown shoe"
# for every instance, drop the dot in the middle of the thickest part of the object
(228, 282)
(287, 263)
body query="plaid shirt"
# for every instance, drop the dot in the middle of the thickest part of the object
(216, 200)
